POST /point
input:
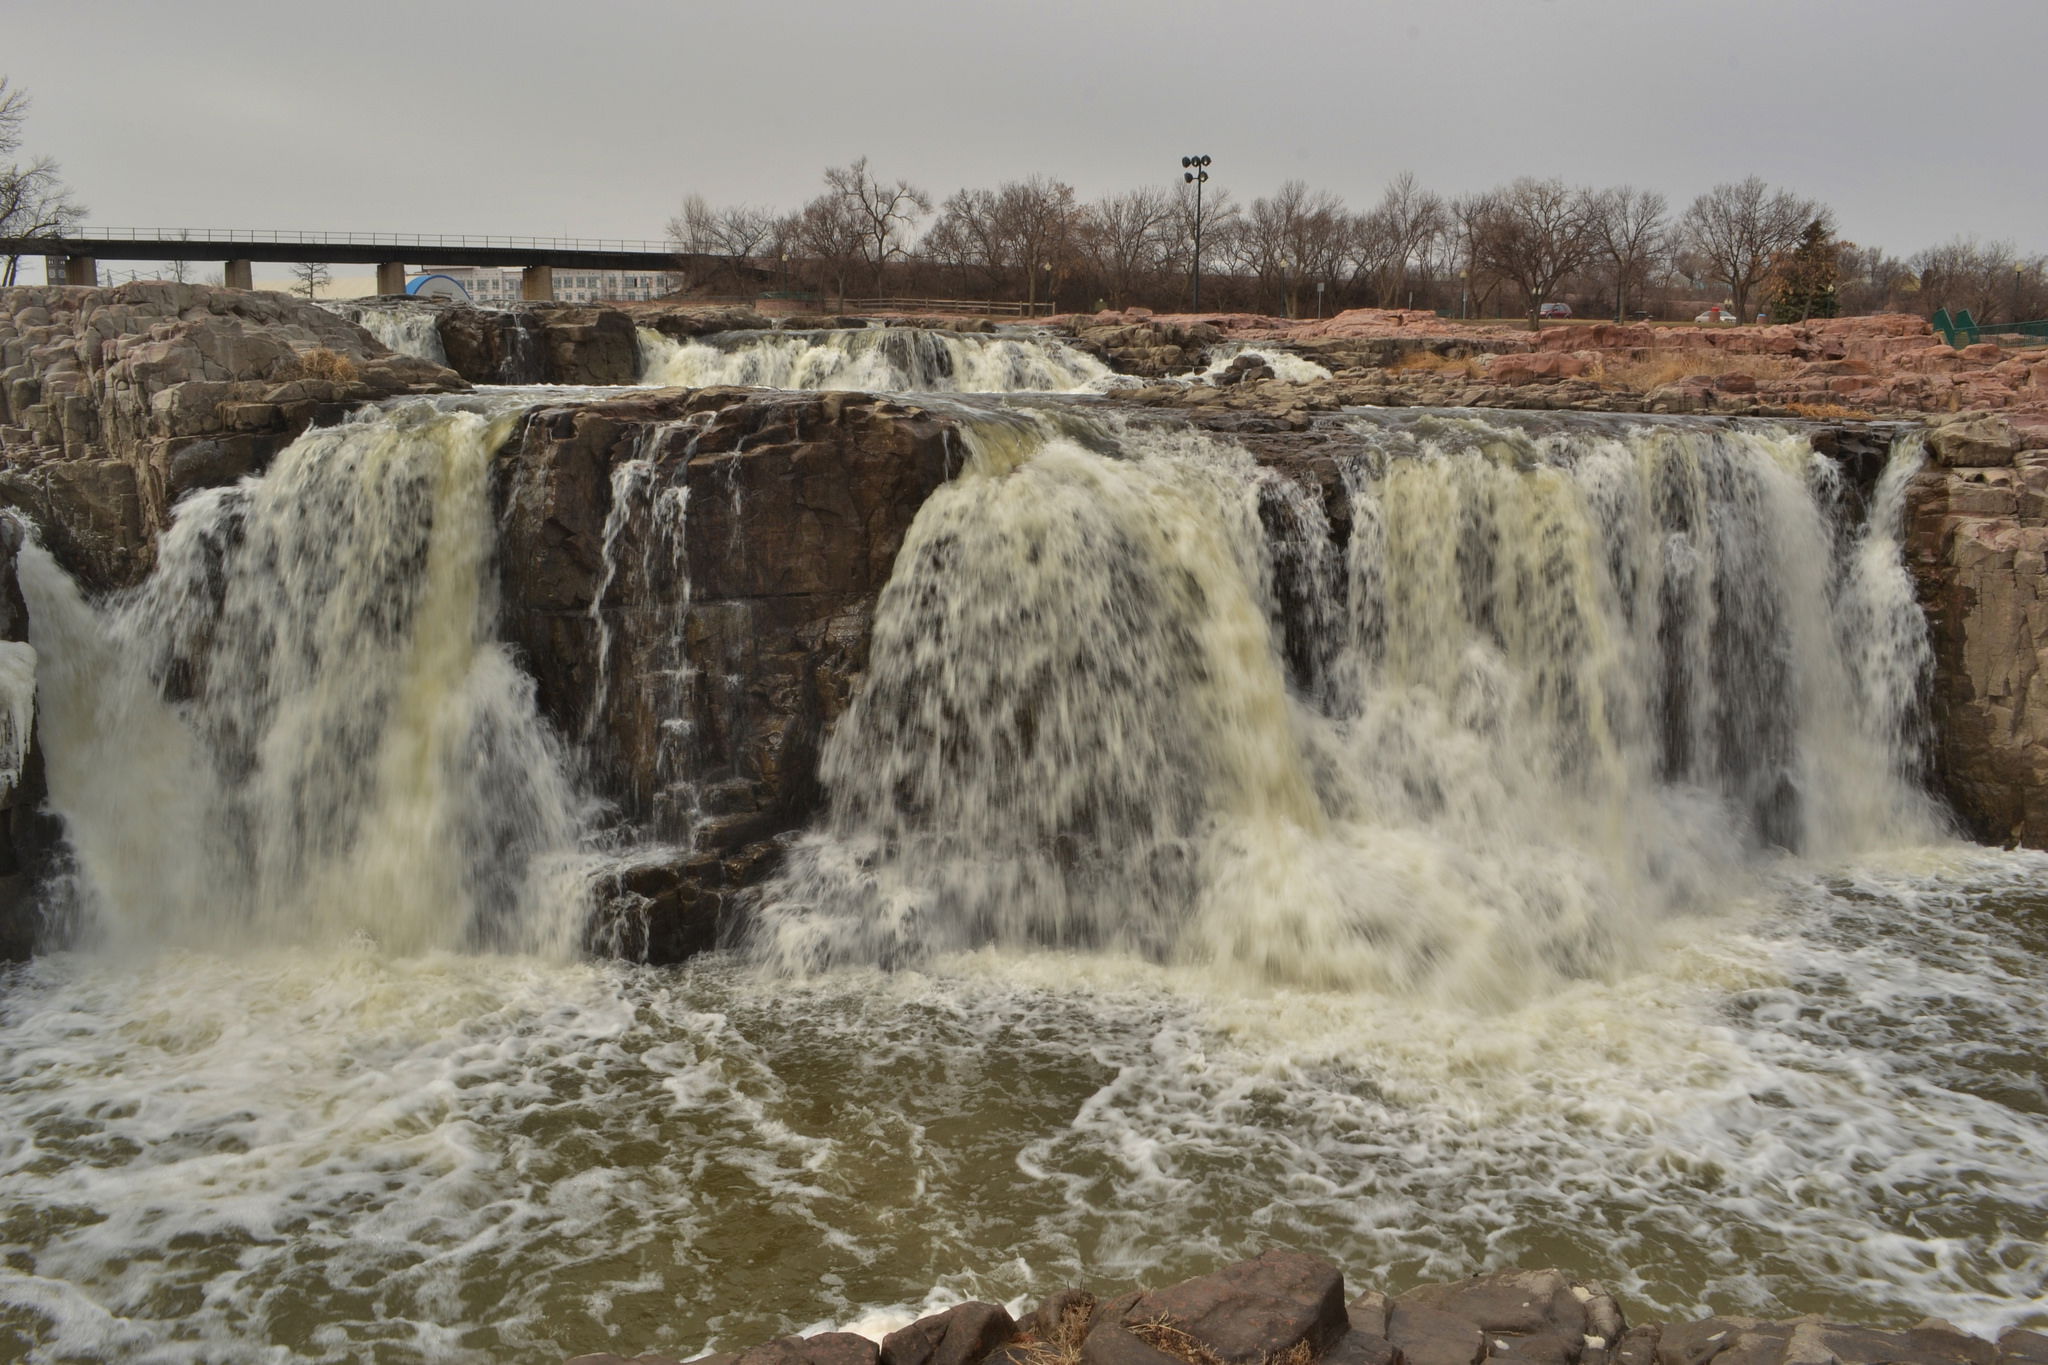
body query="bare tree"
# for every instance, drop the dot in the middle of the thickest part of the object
(1397, 234)
(33, 199)
(1220, 221)
(1125, 236)
(1009, 234)
(1991, 279)
(1741, 228)
(1535, 233)
(734, 235)
(831, 233)
(885, 213)
(1296, 237)
(310, 277)
(740, 231)
(1629, 227)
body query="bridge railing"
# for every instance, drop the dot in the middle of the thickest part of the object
(976, 306)
(437, 240)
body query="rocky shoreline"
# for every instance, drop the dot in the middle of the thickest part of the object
(1286, 1307)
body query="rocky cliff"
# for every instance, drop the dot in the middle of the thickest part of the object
(712, 554)
(116, 402)
(1978, 545)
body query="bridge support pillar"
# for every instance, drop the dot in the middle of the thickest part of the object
(81, 270)
(239, 275)
(391, 277)
(537, 282)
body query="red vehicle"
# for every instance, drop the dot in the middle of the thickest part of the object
(1555, 310)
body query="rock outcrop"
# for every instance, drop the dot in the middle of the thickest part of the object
(116, 402)
(713, 554)
(1978, 546)
(1289, 1308)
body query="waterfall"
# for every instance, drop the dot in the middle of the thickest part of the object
(876, 359)
(299, 728)
(1556, 690)
(17, 709)
(650, 502)
(1287, 367)
(414, 331)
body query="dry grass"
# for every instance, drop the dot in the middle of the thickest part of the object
(1160, 1333)
(1668, 367)
(1830, 412)
(317, 362)
(1429, 362)
(1164, 1336)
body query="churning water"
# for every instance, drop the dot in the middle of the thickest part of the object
(876, 359)
(1505, 849)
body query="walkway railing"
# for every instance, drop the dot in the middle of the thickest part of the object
(981, 306)
(1963, 330)
(439, 241)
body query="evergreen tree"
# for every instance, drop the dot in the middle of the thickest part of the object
(1806, 276)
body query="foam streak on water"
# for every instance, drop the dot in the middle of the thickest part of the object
(874, 359)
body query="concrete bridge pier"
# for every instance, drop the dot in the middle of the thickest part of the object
(391, 277)
(537, 282)
(239, 275)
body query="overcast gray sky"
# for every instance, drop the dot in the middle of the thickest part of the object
(1915, 121)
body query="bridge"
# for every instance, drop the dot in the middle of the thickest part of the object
(77, 254)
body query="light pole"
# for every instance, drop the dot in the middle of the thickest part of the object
(1195, 171)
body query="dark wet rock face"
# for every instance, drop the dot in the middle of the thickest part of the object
(714, 554)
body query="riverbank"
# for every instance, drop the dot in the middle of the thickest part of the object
(1289, 1308)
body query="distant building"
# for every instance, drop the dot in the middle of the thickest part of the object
(500, 284)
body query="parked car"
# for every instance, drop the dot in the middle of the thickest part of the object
(1718, 314)
(1555, 310)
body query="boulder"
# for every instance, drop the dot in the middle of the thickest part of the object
(962, 1335)
(1429, 1336)
(1254, 1311)
(1519, 1301)
(1974, 440)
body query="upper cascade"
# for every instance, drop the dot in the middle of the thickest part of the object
(405, 329)
(874, 359)
(1544, 692)
(300, 728)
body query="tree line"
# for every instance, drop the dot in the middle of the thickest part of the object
(1619, 251)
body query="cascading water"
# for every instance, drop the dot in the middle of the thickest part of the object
(649, 503)
(879, 359)
(1287, 367)
(414, 331)
(299, 729)
(1562, 689)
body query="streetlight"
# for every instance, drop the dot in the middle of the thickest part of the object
(1195, 171)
